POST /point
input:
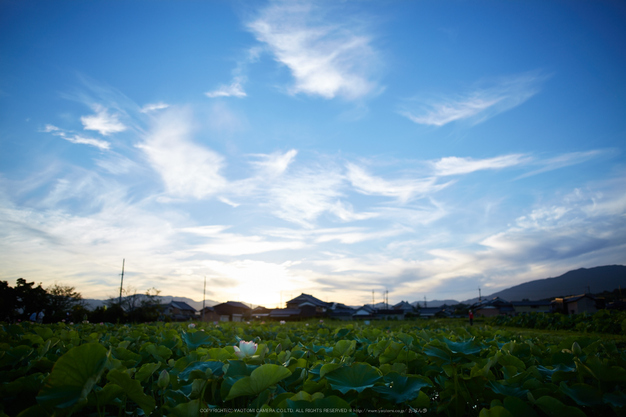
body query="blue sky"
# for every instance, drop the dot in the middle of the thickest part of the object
(334, 148)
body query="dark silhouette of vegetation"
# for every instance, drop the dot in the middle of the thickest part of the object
(64, 303)
(20, 302)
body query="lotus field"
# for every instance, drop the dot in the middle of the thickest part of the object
(315, 368)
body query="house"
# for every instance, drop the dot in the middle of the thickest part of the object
(389, 314)
(364, 313)
(404, 306)
(428, 312)
(232, 311)
(492, 307)
(285, 314)
(179, 311)
(576, 304)
(526, 306)
(340, 311)
(319, 306)
(260, 312)
(209, 315)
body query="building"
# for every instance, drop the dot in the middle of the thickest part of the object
(364, 313)
(260, 313)
(286, 314)
(232, 311)
(492, 307)
(319, 306)
(428, 312)
(404, 306)
(526, 306)
(209, 315)
(576, 304)
(340, 311)
(179, 311)
(389, 314)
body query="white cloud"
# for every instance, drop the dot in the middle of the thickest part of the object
(274, 164)
(478, 104)
(103, 122)
(564, 160)
(304, 195)
(326, 58)
(78, 139)
(187, 169)
(235, 89)
(402, 189)
(101, 144)
(454, 165)
(148, 108)
(232, 244)
(50, 128)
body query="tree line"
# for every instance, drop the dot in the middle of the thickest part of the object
(27, 301)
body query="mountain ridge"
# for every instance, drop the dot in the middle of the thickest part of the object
(596, 279)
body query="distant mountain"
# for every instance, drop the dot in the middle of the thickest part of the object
(579, 281)
(92, 304)
(434, 303)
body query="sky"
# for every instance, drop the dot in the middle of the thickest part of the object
(341, 149)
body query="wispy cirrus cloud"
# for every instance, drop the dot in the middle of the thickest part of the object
(327, 57)
(151, 107)
(455, 166)
(234, 89)
(565, 160)
(402, 189)
(478, 104)
(187, 169)
(103, 122)
(304, 195)
(274, 164)
(76, 138)
(217, 242)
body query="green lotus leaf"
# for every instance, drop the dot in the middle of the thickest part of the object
(583, 394)
(512, 391)
(343, 348)
(329, 406)
(146, 371)
(74, 376)
(216, 368)
(497, 411)
(133, 389)
(519, 407)
(466, 348)
(400, 388)
(259, 380)
(555, 408)
(196, 339)
(357, 377)
(616, 399)
(160, 353)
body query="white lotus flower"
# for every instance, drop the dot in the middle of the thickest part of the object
(245, 349)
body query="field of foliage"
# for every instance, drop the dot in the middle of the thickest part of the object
(314, 368)
(604, 321)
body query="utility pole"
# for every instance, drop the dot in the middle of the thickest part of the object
(203, 298)
(122, 282)
(480, 298)
(373, 299)
(425, 302)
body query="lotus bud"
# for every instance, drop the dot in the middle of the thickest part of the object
(164, 379)
(576, 350)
